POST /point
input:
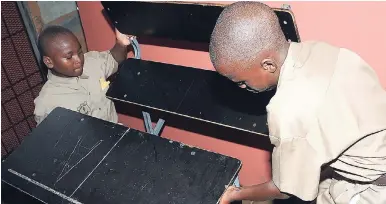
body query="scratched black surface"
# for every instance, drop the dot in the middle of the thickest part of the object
(58, 144)
(145, 169)
(141, 168)
(153, 84)
(192, 22)
(182, 90)
(191, 92)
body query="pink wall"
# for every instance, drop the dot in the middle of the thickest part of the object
(354, 25)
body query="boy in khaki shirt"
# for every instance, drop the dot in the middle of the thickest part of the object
(329, 110)
(77, 80)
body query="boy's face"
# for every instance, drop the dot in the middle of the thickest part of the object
(261, 77)
(254, 80)
(65, 55)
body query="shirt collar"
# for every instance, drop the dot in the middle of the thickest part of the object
(66, 81)
(287, 72)
(287, 65)
(296, 57)
(300, 53)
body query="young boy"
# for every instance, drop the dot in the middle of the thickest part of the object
(329, 109)
(77, 80)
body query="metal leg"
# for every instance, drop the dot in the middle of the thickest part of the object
(149, 125)
(147, 120)
(158, 127)
(237, 182)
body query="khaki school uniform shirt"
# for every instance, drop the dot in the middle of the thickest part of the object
(85, 94)
(329, 108)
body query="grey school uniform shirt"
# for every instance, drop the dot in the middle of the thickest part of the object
(85, 94)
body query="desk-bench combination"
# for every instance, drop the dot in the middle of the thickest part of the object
(74, 158)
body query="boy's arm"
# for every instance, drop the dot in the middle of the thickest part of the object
(119, 51)
(112, 58)
(261, 192)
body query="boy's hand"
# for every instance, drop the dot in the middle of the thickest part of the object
(123, 39)
(229, 195)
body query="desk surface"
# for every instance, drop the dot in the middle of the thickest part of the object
(73, 158)
(195, 93)
(184, 21)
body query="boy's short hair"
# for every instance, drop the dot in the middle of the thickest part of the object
(48, 34)
(242, 31)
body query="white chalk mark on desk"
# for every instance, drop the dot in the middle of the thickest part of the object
(69, 158)
(95, 146)
(44, 187)
(104, 157)
(61, 135)
(183, 98)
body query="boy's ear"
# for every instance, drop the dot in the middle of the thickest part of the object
(269, 65)
(48, 62)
